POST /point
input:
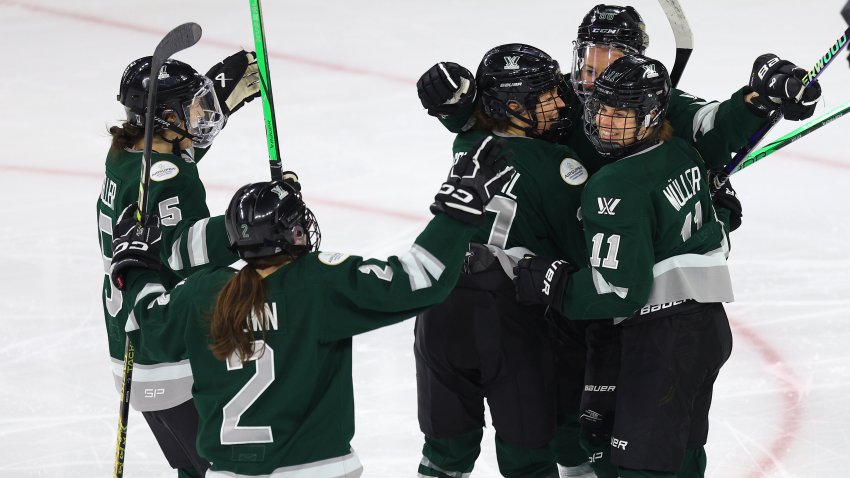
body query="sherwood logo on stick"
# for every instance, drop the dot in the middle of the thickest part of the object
(826, 59)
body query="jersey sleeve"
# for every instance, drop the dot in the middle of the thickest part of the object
(190, 237)
(460, 121)
(373, 293)
(159, 338)
(717, 130)
(618, 223)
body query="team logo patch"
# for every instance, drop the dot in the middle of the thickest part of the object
(163, 170)
(332, 258)
(573, 172)
(607, 205)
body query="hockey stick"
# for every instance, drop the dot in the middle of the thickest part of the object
(810, 77)
(178, 39)
(682, 34)
(266, 89)
(789, 138)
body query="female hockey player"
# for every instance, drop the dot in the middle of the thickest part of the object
(270, 345)
(480, 343)
(657, 255)
(190, 111)
(608, 32)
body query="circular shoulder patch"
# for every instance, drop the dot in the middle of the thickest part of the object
(332, 258)
(162, 170)
(573, 172)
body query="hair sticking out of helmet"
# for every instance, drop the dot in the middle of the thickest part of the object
(270, 219)
(628, 106)
(186, 100)
(522, 83)
(606, 33)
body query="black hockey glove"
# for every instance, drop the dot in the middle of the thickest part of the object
(476, 176)
(727, 198)
(236, 80)
(445, 88)
(134, 245)
(542, 280)
(778, 82)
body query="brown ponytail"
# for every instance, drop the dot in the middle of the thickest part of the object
(665, 133)
(125, 136)
(243, 296)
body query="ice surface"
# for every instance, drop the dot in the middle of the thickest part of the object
(370, 160)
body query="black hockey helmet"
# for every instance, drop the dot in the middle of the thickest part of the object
(181, 90)
(268, 219)
(606, 33)
(613, 24)
(519, 73)
(635, 83)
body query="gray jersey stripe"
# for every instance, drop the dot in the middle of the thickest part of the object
(431, 263)
(197, 243)
(150, 288)
(175, 262)
(703, 284)
(415, 271)
(604, 287)
(704, 119)
(430, 465)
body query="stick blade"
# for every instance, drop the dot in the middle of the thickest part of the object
(180, 38)
(678, 23)
(682, 34)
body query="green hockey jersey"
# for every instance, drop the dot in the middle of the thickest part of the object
(191, 239)
(652, 234)
(538, 210)
(157, 386)
(290, 408)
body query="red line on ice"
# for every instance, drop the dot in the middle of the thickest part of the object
(792, 406)
(228, 188)
(108, 22)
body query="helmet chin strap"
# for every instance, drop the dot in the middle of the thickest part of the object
(532, 124)
(181, 135)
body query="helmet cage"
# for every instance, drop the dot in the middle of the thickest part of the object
(181, 91)
(641, 87)
(589, 61)
(611, 27)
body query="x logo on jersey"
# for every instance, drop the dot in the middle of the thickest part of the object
(607, 205)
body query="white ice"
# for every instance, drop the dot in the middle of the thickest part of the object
(370, 160)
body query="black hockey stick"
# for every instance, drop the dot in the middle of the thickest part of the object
(720, 178)
(789, 138)
(682, 34)
(266, 89)
(178, 39)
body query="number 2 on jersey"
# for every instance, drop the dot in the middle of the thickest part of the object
(231, 432)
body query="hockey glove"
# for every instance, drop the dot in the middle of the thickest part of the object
(236, 80)
(795, 111)
(476, 176)
(445, 88)
(291, 178)
(778, 82)
(134, 245)
(542, 280)
(727, 198)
